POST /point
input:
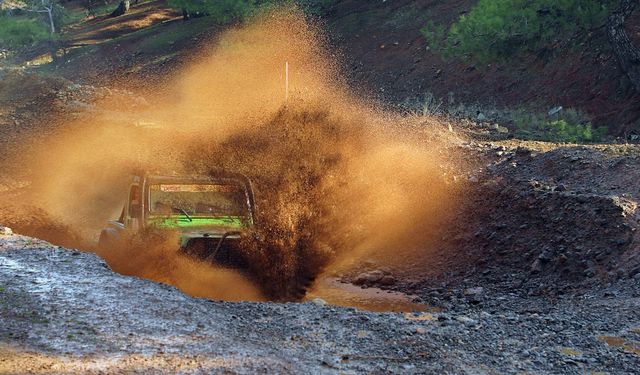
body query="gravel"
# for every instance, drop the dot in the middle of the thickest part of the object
(65, 311)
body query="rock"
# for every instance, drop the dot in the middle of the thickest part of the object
(555, 110)
(481, 117)
(360, 279)
(500, 129)
(369, 277)
(374, 276)
(78, 106)
(466, 320)
(561, 188)
(319, 302)
(473, 291)
(522, 151)
(474, 295)
(589, 272)
(388, 280)
(562, 259)
(536, 266)
(545, 257)
(5, 231)
(369, 263)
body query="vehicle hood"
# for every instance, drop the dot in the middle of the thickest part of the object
(200, 225)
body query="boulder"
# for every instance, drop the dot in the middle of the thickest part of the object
(536, 266)
(388, 280)
(369, 278)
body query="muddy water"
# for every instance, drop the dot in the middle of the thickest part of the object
(337, 293)
(620, 342)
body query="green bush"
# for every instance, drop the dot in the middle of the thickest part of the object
(496, 29)
(434, 34)
(19, 31)
(229, 11)
(316, 7)
(568, 125)
(222, 11)
(538, 127)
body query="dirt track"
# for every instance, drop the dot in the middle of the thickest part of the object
(66, 312)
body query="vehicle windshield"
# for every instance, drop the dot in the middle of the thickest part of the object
(198, 200)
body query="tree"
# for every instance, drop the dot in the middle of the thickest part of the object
(627, 53)
(21, 22)
(498, 29)
(223, 11)
(50, 7)
(123, 7)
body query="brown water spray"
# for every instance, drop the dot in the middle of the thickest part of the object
(337, 180)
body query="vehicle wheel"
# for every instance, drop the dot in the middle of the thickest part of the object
(301, 286)
(108, 240)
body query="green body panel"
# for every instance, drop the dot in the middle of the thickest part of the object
(181, 222)
(199, 227)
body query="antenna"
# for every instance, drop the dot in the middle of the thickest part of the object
(286, 81)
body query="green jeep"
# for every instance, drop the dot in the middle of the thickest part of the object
(211, 214)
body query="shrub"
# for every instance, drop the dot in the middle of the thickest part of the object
(229, 11)
(18, 31)
(563, 129)
(222, 11)
(568, 125)
(316, 6)
(496, 29)
(434, 34)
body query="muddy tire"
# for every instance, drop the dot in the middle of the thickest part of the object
(296, 289)
(300, 287)
(108, 240)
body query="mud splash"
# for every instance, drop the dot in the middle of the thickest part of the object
(337, 180)
(338, 293)
(155, 256)
(622, 343)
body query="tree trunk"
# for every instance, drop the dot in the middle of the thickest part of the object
(123, 7)
(53, 26)
(626, 51)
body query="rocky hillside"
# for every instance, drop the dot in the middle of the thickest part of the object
(385, 50)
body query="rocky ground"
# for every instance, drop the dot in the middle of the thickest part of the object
(65, 311)
(549, 220)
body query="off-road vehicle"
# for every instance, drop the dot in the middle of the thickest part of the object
(211, 214)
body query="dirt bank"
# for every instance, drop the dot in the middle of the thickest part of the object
(540, 219)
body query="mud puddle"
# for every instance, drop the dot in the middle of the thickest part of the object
(338, 293)
(621, 343)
